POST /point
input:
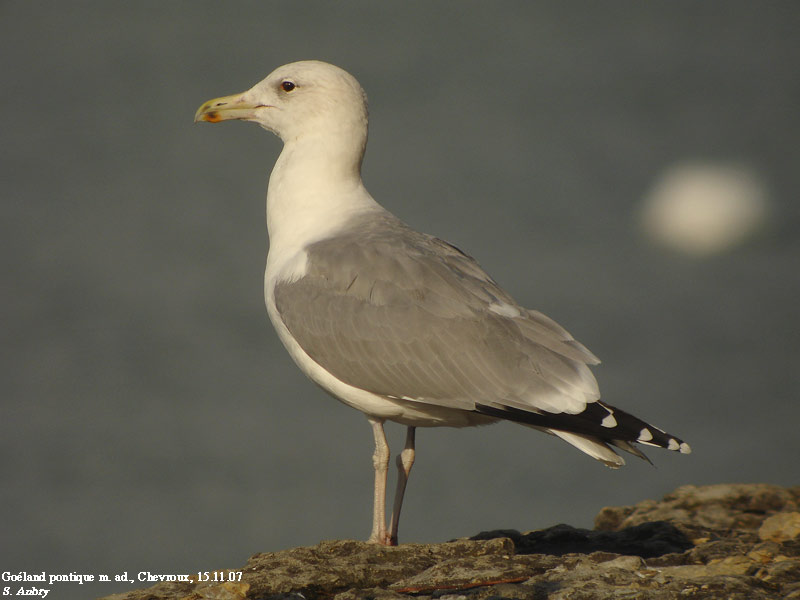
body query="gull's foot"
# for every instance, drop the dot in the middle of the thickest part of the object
(383, 539)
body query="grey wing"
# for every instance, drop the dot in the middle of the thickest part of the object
(405, 315)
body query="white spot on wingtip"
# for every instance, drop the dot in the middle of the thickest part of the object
(645, 435)
(609, 421)
(686, 448)
(673, 444)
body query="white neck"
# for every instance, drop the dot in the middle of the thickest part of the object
(315, 187)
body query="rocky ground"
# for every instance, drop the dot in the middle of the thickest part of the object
(721, 541)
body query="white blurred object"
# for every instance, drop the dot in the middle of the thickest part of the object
(703, 209)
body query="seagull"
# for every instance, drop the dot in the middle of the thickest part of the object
(395, 323)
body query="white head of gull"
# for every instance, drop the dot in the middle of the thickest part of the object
(395, 323)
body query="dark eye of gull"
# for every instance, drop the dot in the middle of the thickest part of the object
(287, 86)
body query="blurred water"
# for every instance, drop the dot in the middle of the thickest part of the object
(151, 420)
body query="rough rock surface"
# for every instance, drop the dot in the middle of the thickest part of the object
(737, 541)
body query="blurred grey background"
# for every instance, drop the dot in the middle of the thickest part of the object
(150, 418)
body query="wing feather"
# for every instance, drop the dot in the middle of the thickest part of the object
(401, 314)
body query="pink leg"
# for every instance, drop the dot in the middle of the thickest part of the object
(380, 460)
(405, 460)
